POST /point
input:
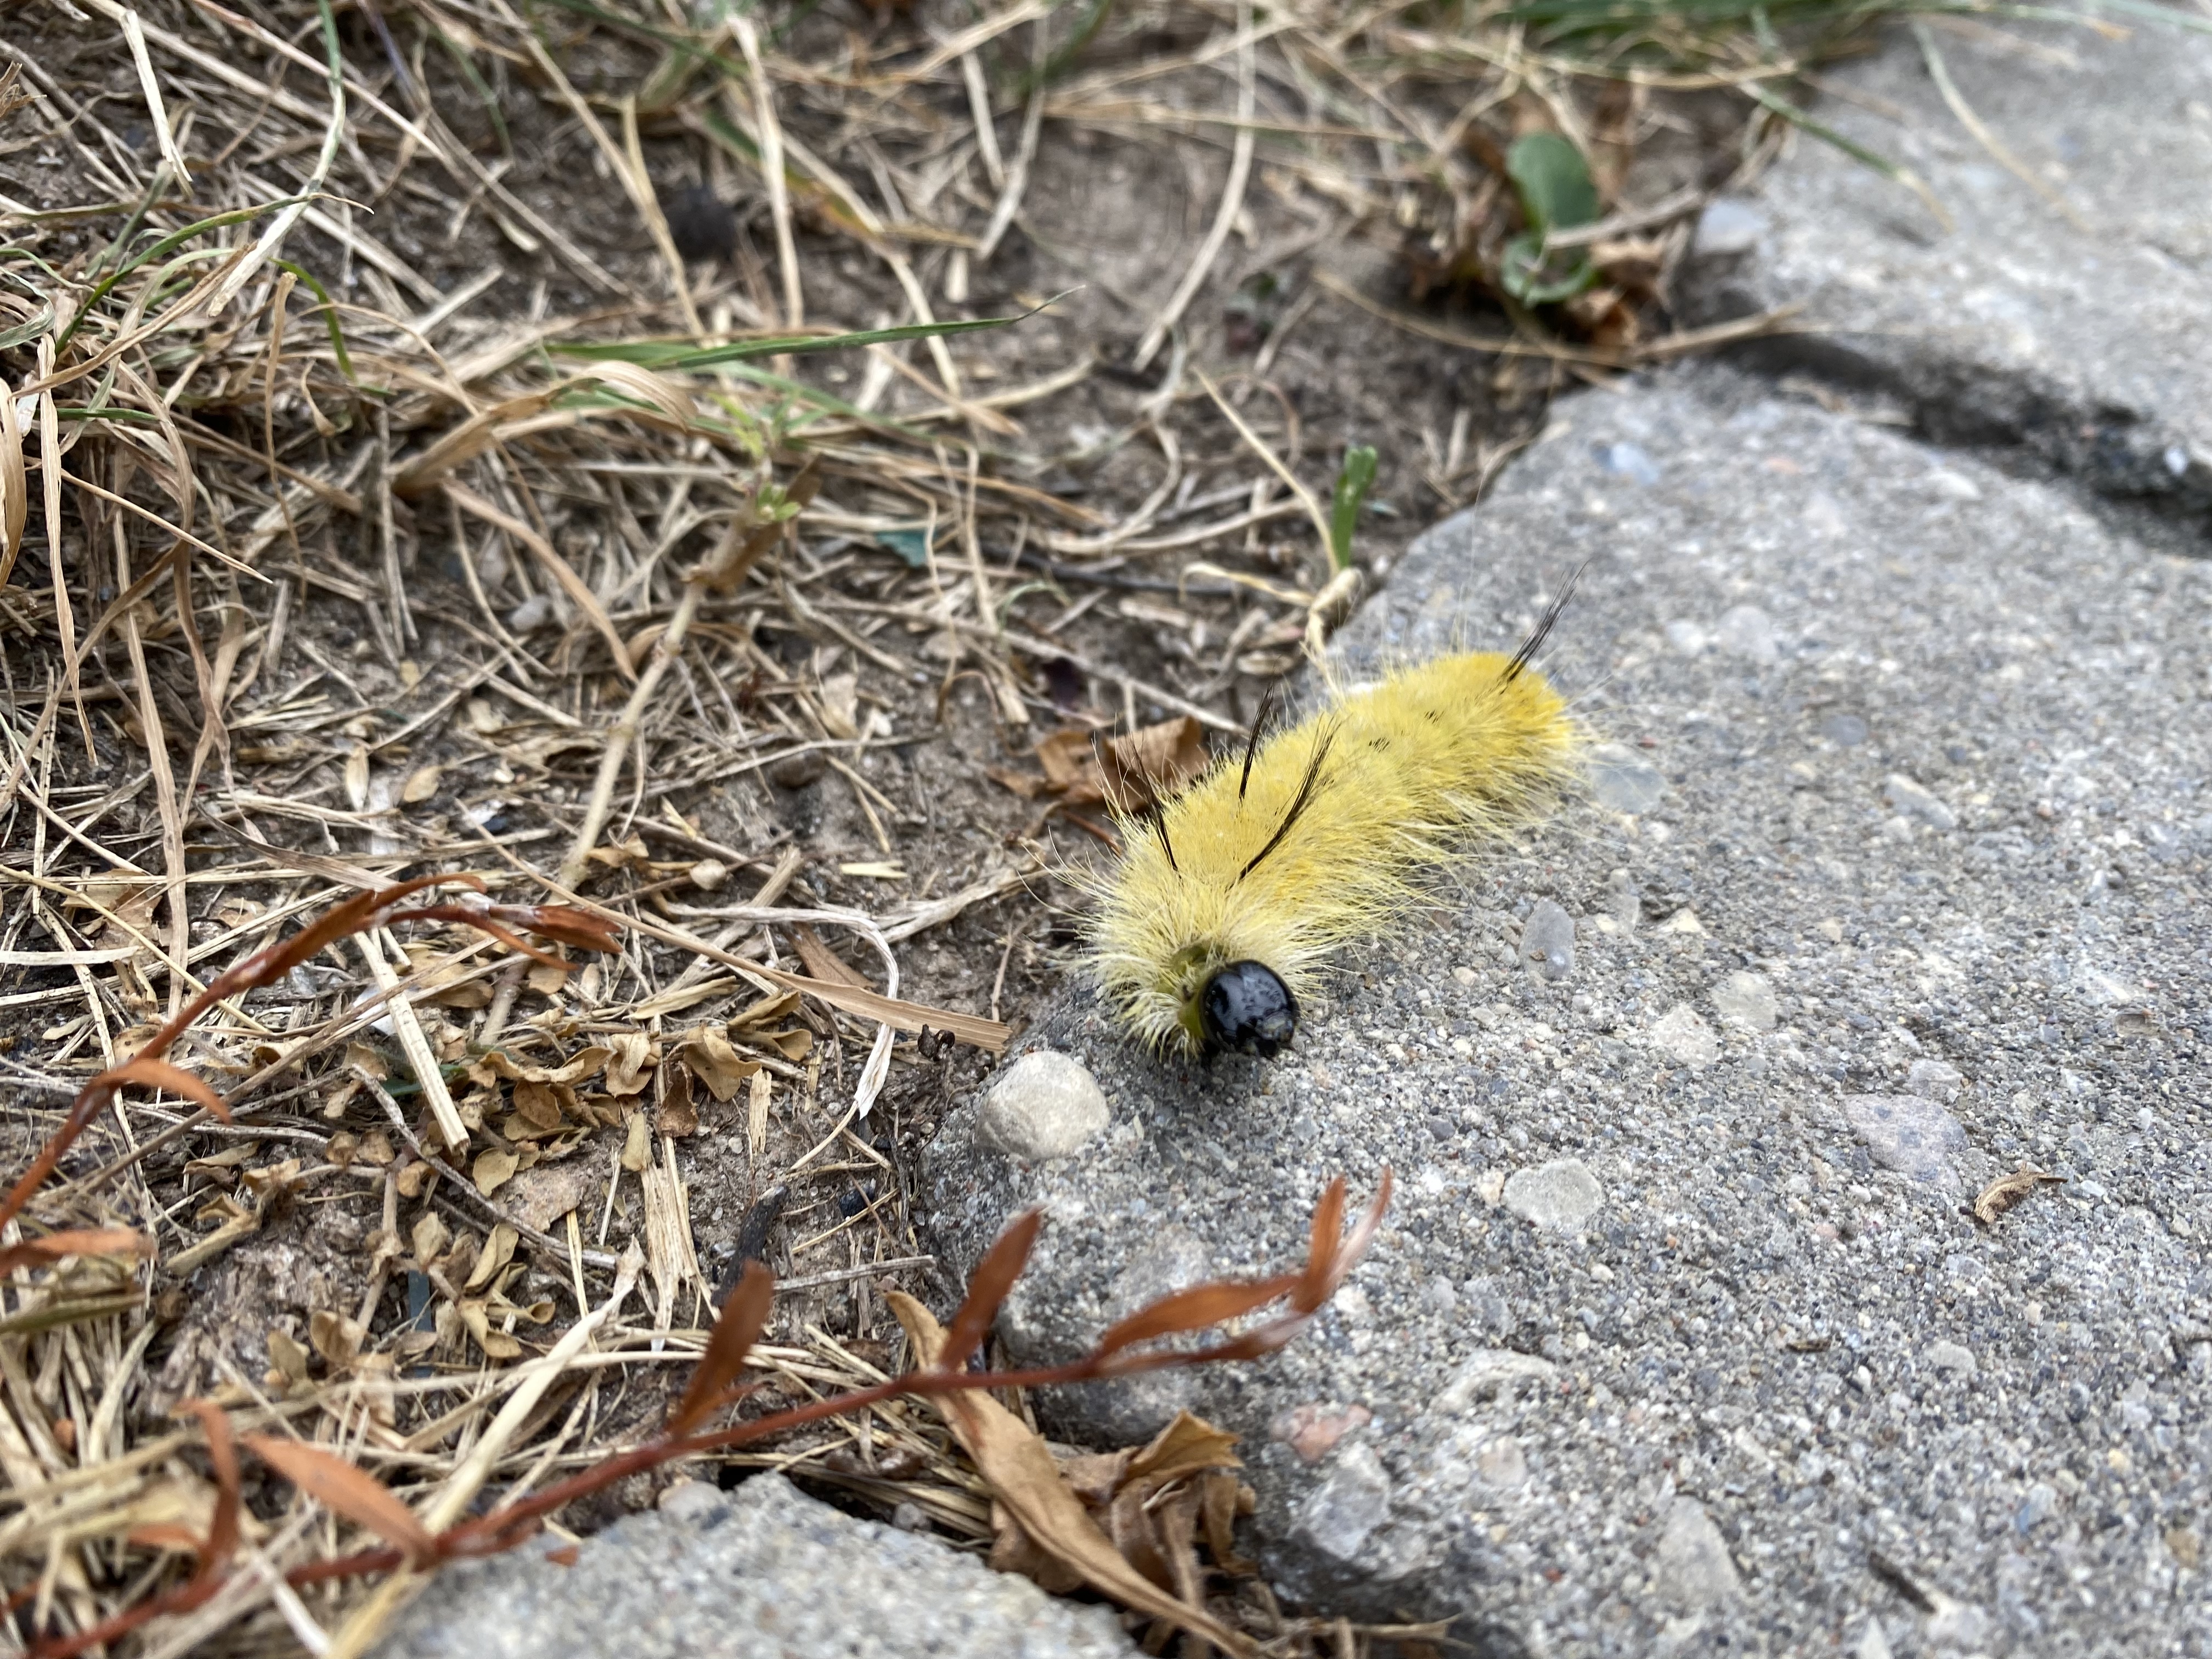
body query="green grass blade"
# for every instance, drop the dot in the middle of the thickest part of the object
(330, 316)
(676, 355)
(1352, 482)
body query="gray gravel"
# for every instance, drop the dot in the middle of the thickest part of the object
(763, 1572)
(2072, 335)
(1677, 1339)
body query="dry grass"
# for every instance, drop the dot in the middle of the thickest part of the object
(574, 444)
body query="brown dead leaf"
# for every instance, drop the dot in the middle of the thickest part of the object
(496, 1345)
(1186, 1446)
(579, 1067)
(1070, 767)
(421, 783)
(2006, 1191)
(335, 1337)
(492, 1169)
(498, 1250)
(539, 1107)
(630, 1056)
(470, 993)
(369, 1062)
(768, 1010)
(678, 1114)
(712, 1060)
(1150, 1504)
(616, 855)
(1222, 1499)
(288, 1360)
(822, 962)
(546, 978)
(637, 1143)
(1151, 764)
(430, 1238)
(1131, 773)
(1027, 784)
(1024, 1480)
(743, 1317)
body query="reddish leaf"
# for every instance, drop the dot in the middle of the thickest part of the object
(1197, 1309)
(84, 1241)
(566, 1556)
(564, 923)
(1362, 1235)
(743, 1317)
(1321, 1253)
(993, 1279)
(159, 1074)
(164, 1536)
(345, 1490)
(482, 922)
(223, 1458)
(344, 920)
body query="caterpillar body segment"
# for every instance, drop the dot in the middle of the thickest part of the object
(1229, 897)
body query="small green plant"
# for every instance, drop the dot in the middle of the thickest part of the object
(1353, 480)
(1557, 193)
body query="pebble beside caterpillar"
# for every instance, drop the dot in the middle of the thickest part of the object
(1230, 896)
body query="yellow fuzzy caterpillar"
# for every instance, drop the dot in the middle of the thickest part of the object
(1230, 896)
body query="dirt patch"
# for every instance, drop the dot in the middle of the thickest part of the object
(397, 531)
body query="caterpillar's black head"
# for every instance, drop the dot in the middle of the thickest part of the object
(1246, 1008)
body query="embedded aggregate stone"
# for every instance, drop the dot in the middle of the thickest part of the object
(1622, 780)
(1547, 942)
(1765, 1317)
(1914, 1137)
(1562, 1195)
(1747, 999)
(762, 1572)
(1044, 1105)
(1682, 1035)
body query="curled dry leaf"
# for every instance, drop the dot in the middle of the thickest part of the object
(1147, 766)
(498, 1250)
(630, 1057)
(1026, 1482)
(496, 1344)
(709, 1053)
(1130, 773)
(678, 1113)
(2006, 1191)
(637, 1143)
(1150, 1501)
